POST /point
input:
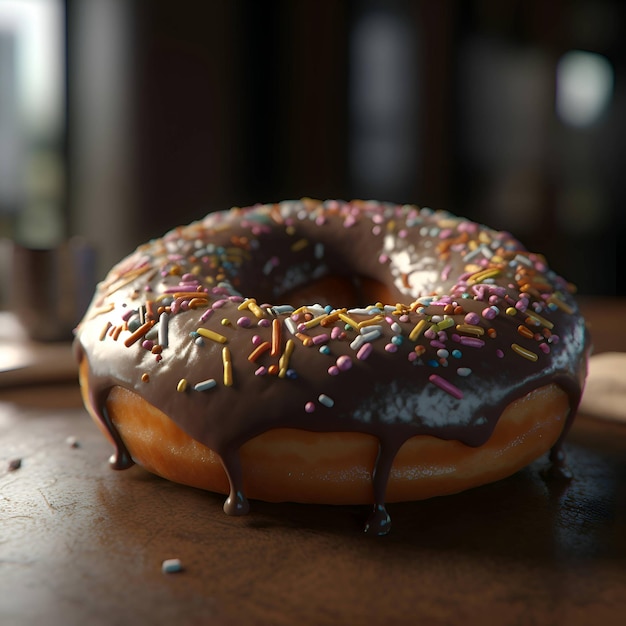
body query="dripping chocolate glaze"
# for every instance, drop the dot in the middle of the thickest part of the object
(431, 263)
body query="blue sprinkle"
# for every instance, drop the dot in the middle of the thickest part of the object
(292, 374)
(325, 400)
(433, 363)
(457, 354)
(397, 340)
(324, 349)
(328, 309)
(205, 385)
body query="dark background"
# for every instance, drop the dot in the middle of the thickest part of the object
(210, 104)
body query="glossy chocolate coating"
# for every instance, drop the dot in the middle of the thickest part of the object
(475, 322)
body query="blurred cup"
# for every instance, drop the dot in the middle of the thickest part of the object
(50, 288)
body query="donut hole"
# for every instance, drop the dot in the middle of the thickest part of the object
(340, 291)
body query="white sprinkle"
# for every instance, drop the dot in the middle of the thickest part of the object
(292, 327)
(162, 337)
(170, 566)
(463, 371)
(72, 442)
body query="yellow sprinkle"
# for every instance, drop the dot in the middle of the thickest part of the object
(542, 320)
(315, 321)
(371, 321)
(348, 320)
(211, 334)
(470, 329)
(446, 322)
(511, 311)
(527, 354)
(562, 305)
(299, 245)
(228, 367)
(104, 331)
(225, 321)
(283, 362)
(483, 275)
(182, 385)
(256, 310)
(418, 329)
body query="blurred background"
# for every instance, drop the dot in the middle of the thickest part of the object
(121, 119)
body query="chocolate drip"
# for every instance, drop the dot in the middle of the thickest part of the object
(484, 323)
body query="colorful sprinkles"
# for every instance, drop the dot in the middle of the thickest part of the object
(489, 286)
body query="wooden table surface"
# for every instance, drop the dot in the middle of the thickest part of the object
(81, 544)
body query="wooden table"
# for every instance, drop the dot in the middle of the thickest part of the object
(81, 544)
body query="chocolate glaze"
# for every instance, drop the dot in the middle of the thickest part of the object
(497, 323)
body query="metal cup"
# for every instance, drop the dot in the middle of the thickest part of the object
(50, 288)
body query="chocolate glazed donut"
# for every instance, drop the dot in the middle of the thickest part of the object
(395, 324)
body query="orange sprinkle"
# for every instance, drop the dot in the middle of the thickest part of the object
(305, 339)
(139, 333)
(276, 337)
(524, 331)
(258, 351)
(331, 318)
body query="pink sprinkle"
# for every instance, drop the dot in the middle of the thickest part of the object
(147, 344)
(205, 316)
(445, 233)
(383, 258)
(472, 342)
(263, 322)
(437, 344)
(472, 318)
(447, 386)
(521, 304)
(333, 370)
(261, 371)
(499, 353)
(256, 340)
(335, 332)
(412, 356)
(430, 333)
(391, 347)
(243, 322)
(319, 339)
(489, 313)
(309, 407)
(364, 351)
(404, 318)
(545, 348)
(344, 362)
(218, 304)
(402, 233)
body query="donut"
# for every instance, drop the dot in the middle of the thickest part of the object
(333, 352)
